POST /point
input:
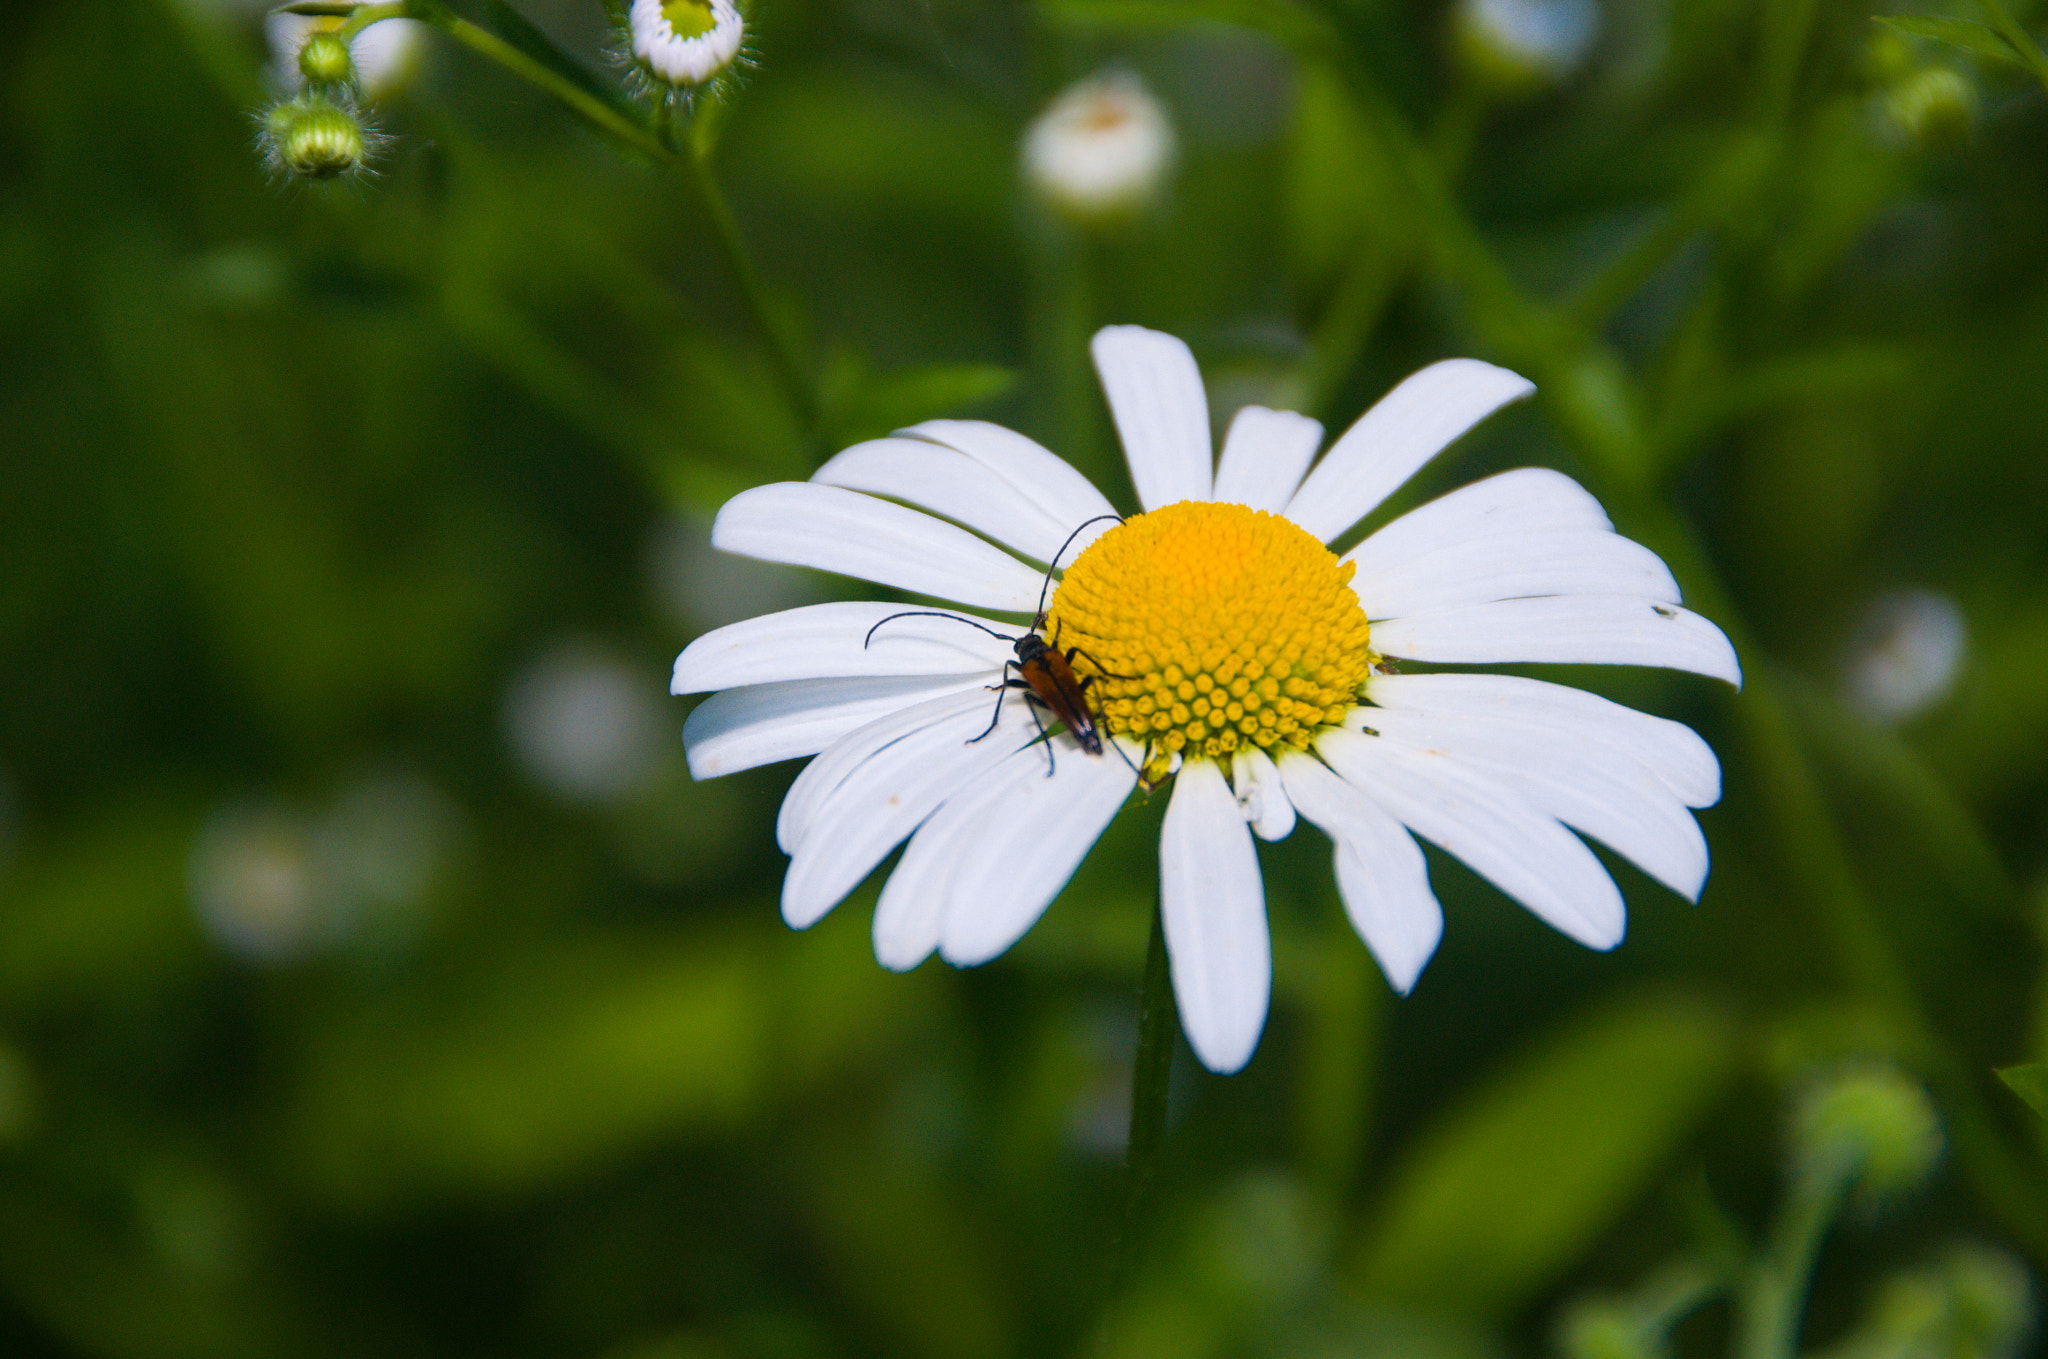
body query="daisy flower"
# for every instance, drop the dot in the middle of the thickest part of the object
(1225, 646)
(685, 42)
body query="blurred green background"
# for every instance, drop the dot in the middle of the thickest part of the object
(374, 980)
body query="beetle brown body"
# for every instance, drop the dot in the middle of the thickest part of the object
(1044, 673)
(1047, 673)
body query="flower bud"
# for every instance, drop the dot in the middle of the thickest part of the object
(1904, 654)
(313, 137)
(1099, 154)
(1874, 1127)
(1517, 46)
(685, 42)
(325, 60)
(1931, 107)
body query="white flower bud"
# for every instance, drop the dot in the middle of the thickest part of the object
(1904, 654)
(1521, 44)
(384, 55)
(1102, 149)
(685, 42)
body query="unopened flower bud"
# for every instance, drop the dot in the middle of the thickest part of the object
(1523, 45)
(1100, 152)
(313, 137)
(685, 42)
(1875, 1127)
(325, 60)
(1933, 107)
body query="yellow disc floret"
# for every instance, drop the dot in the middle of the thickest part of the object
(1211, 627)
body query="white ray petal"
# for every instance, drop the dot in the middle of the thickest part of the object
(1515, 566)
(881, 800)
(946, 482)
(1570, 630)
(760, 724)
(1032, 470)
(1214, 907)
(817, 781)
(911, 913)
(1034, 832)
(1389, 443)
(1528, 855)
(1613, 798)
(1381, 873)
(833, 529)
(831, 641)
(1265, 455)
(1526, 500)
(1261, 794)
(1671, 750)
(1155, 393)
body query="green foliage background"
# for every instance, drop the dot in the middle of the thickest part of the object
(294, 482)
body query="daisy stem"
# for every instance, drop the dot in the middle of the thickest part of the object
(1151, 1072)
(635, 136)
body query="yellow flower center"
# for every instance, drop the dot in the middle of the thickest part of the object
(689, 18)
(1211, 627)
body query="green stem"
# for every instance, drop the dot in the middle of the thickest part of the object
(2010, 30)
(1772, 1300)
(783, 353)
(1151, 1070)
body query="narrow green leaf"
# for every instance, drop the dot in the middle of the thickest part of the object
(1966, 34)
(2030, 1082)
(332, 9)
(1494, 1201)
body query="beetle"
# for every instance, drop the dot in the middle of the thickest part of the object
(1044, 672)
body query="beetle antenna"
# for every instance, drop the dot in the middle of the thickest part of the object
(1053, 565)
(932, 613)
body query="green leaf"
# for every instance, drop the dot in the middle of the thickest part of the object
(1966, 34)
(1493, 1202)
(2030, 1083)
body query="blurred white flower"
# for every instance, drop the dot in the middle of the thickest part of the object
(273, 883)
(1904, 654)
(584, 725)
(1225, 641)
(1527, 41)
(685, 42)
(257, 884)
(1101, 151)
(386, 53)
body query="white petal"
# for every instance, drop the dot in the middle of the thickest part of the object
(819, 779)
(1526, 500)
(881, 801)
(1033, 471)
(857, 535)
(1515, 566)
(762, 723)
(1265, 456)
(1671, 750)
(1613, 798)
(1569, 630)
(1389, 443)
(1381, 873)
(948, 482)
(1261, 794)
(1155, 393)
(1033, 833)
(1214, 907)
(1491, 827)
(831, 641)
